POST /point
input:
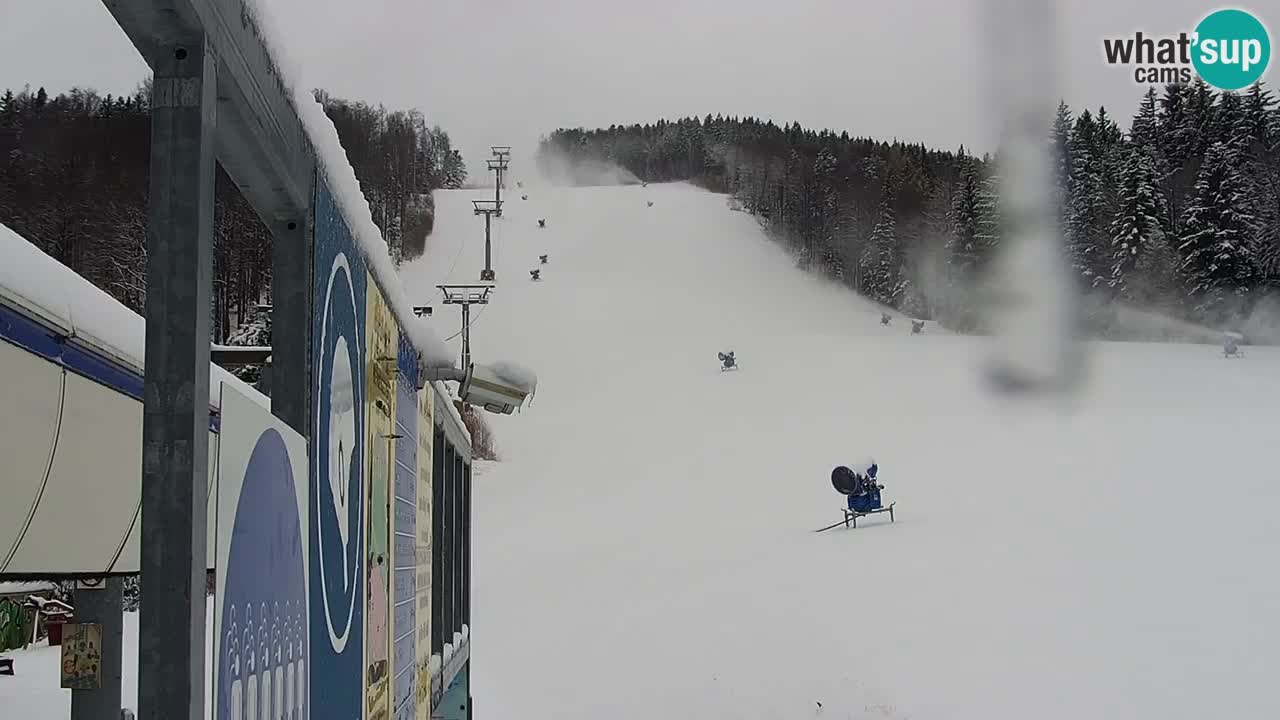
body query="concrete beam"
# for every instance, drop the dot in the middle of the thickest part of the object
(260, 140)
(175, 419)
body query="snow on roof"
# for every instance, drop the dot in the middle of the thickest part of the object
(25, 588)
(54, 294)
(45, 603)
(333, 160)
(346, 189)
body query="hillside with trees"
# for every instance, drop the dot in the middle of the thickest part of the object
(1180, 215)
(74, 181)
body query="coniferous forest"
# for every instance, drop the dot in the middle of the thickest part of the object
(1179, 214)
(74, 180)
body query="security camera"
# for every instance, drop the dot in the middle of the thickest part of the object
(498, 392)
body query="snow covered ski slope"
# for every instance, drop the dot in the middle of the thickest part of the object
(645, 548)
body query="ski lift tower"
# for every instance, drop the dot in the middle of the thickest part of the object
(498, 164)
(488, 208)
(466, 296)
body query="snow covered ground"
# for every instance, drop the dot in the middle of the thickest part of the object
(33, 693)
(644, 549)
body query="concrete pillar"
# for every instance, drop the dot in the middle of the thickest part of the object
(439, 511)
(457, 544)
(105, 606)
(175, 425)
(291, 270)
(465, 533)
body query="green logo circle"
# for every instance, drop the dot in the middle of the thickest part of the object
(1231, 49)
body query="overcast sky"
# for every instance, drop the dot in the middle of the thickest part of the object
(507, 71)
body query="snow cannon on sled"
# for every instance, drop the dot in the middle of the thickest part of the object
(727, 361)
(1231, 345)
(535, 275)
(542, 222)
(650, 203)
(542, 259)
(862, 490)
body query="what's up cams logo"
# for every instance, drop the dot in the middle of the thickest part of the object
(1229, 49)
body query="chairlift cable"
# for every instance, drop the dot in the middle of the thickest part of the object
(474, 318)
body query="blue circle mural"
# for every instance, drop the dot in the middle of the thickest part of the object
(338, 503)
(263, 647)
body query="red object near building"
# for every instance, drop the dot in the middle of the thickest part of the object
(53, 622)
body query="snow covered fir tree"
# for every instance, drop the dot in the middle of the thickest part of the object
(1179, 215)
(1218, 235)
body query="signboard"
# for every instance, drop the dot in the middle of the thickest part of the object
(261, 642)
(82, 656)
(404, 626)
(337, 497)
(422, 649)
(380, 373)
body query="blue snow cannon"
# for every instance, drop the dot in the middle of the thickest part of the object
(868, 497)
(862, 493)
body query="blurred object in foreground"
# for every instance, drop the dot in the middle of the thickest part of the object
(1031, 304)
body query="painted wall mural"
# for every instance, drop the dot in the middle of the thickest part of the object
(422, 651)
(404, 535)
(358, 637)
(380, 374)
(337, 562)
(260, 603)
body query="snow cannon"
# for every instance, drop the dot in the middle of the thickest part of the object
(542, 259)
(917, 326)
(650, 203)
(644, 183)
(535, 275)
(727, 361)
(497, 389)
(862, 493)
(519, 184)
(524, 197)
(542, 222)
(885, 318)
(1231, 345)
